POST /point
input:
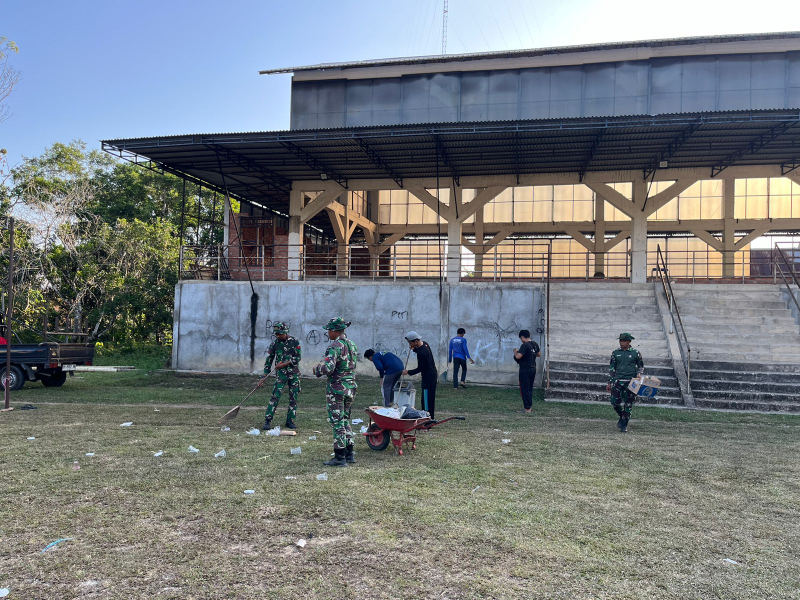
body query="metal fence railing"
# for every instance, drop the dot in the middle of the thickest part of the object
(430, 261)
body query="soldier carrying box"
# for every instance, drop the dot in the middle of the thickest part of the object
(626, 362)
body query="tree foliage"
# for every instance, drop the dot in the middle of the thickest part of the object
(98, 243)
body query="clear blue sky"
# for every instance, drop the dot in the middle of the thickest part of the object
(99, 69)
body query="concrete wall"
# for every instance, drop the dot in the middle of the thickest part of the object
(212, 321)
(642, 87)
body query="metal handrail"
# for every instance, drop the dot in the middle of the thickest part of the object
(779, 269)
(686, 355)
(547, 325)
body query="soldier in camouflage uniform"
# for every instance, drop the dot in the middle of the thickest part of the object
(625, 365)
(285, 351)
(339, 365)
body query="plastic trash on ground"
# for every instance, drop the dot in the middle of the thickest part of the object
(4, 592)
(52, 545)
(31, 438)
(76, 466)
(220, 454)
(388, 412)
(322, 477)
(291, 477)
(363, 429)
(301, 543)
(253, 431)
(297, 450)
(312, 437)
(126, 424)
(506, 441)
(249, 492)
(90, 454)
(193, 450)
(159, 453)
(274, 431)
(226, 428)
(730, 561)
(357, 421)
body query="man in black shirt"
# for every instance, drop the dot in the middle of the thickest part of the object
(525, 356)
(427, 368)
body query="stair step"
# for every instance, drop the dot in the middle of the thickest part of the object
(734, 394)
(699, 386)
(668, 381)
(745, 376)
(576, 356)
(793, 407)
(556, 393)
(600, 387)
(745, 367)
(584, 367)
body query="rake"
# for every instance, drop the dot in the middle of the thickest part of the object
(231, 414)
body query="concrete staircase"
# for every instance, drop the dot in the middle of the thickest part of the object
(745, 346)
(585, 322)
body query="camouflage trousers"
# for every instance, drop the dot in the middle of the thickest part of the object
(293, 381)
(622, 398)
(339, 417)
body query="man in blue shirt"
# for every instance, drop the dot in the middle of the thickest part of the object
(458, 353)
(390, 368)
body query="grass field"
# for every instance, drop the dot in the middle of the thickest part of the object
(570, 508)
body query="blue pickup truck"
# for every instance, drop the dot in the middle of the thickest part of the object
(48, 362)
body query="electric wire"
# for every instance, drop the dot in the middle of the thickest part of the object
(500, 29)
(525, 18)
(514, 24)
(480, 29)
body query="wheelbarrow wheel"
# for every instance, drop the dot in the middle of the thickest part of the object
(378, 441)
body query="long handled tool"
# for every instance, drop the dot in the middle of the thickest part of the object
(231, 414)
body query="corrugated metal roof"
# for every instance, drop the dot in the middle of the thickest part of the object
(447, 58)
(259, 167)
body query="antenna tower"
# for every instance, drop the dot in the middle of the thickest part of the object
(444, 27)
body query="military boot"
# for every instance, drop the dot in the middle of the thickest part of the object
(349, 454)
(290, 424)
(338, 460)
(624, 424)
(621, 416)
(267, 425)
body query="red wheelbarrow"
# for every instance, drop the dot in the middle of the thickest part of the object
(383, 430)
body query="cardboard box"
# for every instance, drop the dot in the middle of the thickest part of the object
(645, 387)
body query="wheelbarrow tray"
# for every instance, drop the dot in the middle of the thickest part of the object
(382, 429)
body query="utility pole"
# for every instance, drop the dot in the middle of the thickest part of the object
(444, 27)
(9, 304)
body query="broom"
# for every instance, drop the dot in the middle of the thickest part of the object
(231, 414)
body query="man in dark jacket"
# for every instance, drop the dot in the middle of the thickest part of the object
(525, 357)
(390, 368)
(427, 368)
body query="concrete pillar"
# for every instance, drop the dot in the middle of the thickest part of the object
(453, 251)
(480, 251)
(639, 234)
(599, 235)
(295, 250)
(729, 231)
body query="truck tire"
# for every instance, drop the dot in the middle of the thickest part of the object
(17, 378)
(57, 379)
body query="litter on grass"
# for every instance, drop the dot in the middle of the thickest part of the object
(274, 431)
(4, 592)
(301, 543)
(322, 477)
(90, 454)
(291, 477)
(249, 492)
(312, 437)
(253, 431)
(159, 453)
(506, 441)
(357, 421)
(476, 488)
(225, 429)
(220, 454)
(297, 450)
(193, 450)
(156, 410)
(54, 544)
(31, 438)
(363, 429)
(730, 561)
(126, 424)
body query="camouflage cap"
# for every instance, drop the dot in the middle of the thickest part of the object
(280, 327)
(626, 336)
(337, 324)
